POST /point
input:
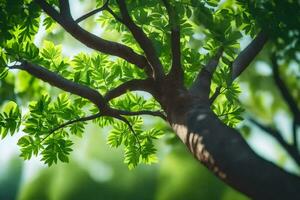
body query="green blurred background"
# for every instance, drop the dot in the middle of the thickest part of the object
(97, 172)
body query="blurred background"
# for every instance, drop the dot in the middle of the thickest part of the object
(96, 171)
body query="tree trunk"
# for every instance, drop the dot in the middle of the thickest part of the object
(222, 150)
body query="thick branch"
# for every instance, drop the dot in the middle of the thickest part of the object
(65, 8)
(287, 96)
(62, 83)
(277, 135)
(91, 40)
(224, 151)
(132, 85)
(176, 69)
(201, 86)
(238, 66)
(89, 93)
(144, 42)
(248, 54)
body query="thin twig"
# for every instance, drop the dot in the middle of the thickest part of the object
(114, 15)
(142, 112)
(215, 95)
(93, 12)
(131, 85)
(123, 119)
(83, 119)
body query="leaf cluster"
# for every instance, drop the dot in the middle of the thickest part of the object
(218, 24)
(227, 105)
(41, 133)
(138, 144)
(10, 119)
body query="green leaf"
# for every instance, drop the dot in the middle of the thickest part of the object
(132, 156)
(48, 22)
(24, 141)
(56, 149)
(29, 146)
(10, 119)
(50, 51)
(3, 73)
(115, 138)
(77, 129)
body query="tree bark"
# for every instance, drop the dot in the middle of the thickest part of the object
(223, 150)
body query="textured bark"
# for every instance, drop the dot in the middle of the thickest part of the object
(222, 150)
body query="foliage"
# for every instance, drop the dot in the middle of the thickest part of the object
(10, 119)
(43, 118)
(281, 19)
(217, 23)
(139, 147)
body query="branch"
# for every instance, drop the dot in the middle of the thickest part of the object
(80, 90)
(86, 92)
(92, 41)
(176, 69)
(242, 61)
(62, 83)
(276, 134)
(248, 54)
(226, 153)
(65, 8)
(123, 119)
(87, 15)
(114, 15)
(144, 42)
(132, 85)
(201, 86)
(215, 95)
(141, 112)
(83, 119)
(287, 96)
(295, 135)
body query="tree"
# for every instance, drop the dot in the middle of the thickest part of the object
(196, 93)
